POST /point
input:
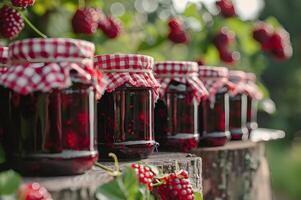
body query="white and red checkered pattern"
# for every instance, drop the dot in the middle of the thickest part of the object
(3, 57)
(214, 79)
(252, 88)
(44, 64)
(180, 71)
(127, 68)
(238, 78)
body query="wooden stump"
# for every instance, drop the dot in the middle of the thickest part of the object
(84, 186)
(237, 171)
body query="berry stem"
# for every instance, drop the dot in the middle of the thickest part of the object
(32, 26)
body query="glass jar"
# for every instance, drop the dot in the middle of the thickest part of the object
(238, 107)
(52, 106)
(253, 96)
(214, 111)
(176, 112)
(3, 93)
(125, 112)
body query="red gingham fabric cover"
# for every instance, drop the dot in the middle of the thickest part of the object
(3, 59)
(180, 71)
(127, 68)
(238, 78)
(252, 88)
(44, 64)
(214, 79)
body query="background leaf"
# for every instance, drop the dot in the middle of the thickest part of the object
(9, 182)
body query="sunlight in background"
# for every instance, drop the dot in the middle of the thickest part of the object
(246, 9)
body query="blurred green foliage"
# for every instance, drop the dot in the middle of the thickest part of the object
(284, 83)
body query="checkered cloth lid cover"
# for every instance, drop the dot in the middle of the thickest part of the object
(252, 88)
(44, 64)
(238, 78)
(183, 72)
(214, 79)
(127, 68)
(3, 59)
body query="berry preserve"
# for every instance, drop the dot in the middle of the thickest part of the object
(125, 112)
(214, 111)
(238, 106)
(176, 112)
(3, 93)
(52, 106)
(253, 96)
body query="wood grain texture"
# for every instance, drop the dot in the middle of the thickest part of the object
(237, 171)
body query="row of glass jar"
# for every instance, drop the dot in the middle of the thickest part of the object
(53, 121)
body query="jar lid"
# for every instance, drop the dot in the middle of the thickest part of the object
(238, 78)
(251, 88)
(3, 56)
(124, 63)
(251, 77)
(41, 50)
(183, 72)
(215, 78)
(213, 72)
(175, 68)
(44, 64)
(127, 68)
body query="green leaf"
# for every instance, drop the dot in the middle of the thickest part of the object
(198, 196)
(113, 190)
(9, 182)
(130, 182)
(146, 46)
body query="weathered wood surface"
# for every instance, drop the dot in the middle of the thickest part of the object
(84, 186)
(237, 171)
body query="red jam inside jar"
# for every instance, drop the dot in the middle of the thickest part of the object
(125, 111)
(251, 113)
(214, 120)
(238, 106)
(50, 131)
(176, 116)
(3, 93)
(125, 123)
(176, 112)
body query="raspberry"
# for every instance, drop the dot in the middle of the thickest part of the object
(85, 20)
(175, 25)
(11, 22)
(176, 32)
(228, 57)
(223, 38)
(33, 191)
(110, 27)
(226, 8)
(176, 187)
(262, 33)
(22, 3)
(280, 45)
(145, 175)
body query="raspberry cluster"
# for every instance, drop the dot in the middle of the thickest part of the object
(145, 175)
(226, 8)
(11, 22)
(176, 187)
(22, 3)
(88, 20)
(222, 40)
(177, 33)
(276, 42)
(33, 191)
